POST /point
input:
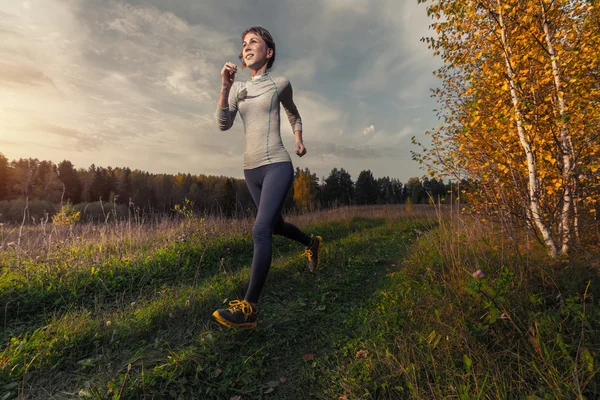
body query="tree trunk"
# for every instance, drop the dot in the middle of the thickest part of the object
(531, 167)
(566, 145)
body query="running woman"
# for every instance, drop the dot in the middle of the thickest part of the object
(268, 167)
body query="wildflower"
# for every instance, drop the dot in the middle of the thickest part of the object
(478, 274)
(10, 244)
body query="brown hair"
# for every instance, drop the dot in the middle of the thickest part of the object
(266, 36)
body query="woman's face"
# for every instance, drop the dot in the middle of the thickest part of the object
(255, 51)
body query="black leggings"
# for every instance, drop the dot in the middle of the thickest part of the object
(268, 187)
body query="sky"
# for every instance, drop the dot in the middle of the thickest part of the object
(135, 83)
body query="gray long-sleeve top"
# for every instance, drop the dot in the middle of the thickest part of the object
(258, 103)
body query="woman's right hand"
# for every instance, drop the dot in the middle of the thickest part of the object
(228, 75)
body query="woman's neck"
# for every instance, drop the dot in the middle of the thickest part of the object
(257, 72)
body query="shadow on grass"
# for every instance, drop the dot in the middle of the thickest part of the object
(66, 347)
(30, 302)
(303, 317)
(300, 313)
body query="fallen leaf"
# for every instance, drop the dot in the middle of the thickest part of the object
(269, 390)
(235, 398)
(282, 380)
(272, 384)
(362, 354)
(217, 372)
(308, 357)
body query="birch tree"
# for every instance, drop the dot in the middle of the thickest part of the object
(520, 109)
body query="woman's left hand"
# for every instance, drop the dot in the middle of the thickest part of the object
(300, 149)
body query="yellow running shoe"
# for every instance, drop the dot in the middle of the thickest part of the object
(239, 315)
(313, 252)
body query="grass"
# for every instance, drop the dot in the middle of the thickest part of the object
(117, 311)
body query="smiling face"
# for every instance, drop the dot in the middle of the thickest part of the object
(255, 52)
(258, 49)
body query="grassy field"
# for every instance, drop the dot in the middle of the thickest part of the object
(122, 310)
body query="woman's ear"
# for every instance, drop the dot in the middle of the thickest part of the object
(269, 53)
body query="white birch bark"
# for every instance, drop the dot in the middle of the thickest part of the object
(531, 167)
(566, 146)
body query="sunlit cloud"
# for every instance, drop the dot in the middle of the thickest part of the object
(368, 130)
(125, 83)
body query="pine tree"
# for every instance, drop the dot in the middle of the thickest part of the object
(71, 181)
(228, 198)
(366, 190)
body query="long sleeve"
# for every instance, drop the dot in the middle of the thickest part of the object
(226, 116)
(287, 100)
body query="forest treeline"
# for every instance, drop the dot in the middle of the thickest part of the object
(40, 187)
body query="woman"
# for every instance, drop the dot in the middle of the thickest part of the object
(267, 165)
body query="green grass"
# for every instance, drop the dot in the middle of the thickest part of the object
(393, 313)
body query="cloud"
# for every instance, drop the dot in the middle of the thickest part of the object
(78, 140)
(60, 131)
(137, 82)
(22, 75)
(339, 152)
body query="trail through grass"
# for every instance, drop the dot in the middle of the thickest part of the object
(393, 313)
(160, 342)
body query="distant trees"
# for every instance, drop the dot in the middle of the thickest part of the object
(414, 190)
(366, 191)
(72, 183)
(103, 183)
(228, 198)
(338, 188)
(306, 190)
(124, 185)
(45, 185)
(33, 178)
(4, 178)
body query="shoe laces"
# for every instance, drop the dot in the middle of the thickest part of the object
(243, 306)
(308, 254)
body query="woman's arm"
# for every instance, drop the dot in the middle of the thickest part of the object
(300, 149)
(224, 98)
(287, 100)
(227, 106)
(226, 115)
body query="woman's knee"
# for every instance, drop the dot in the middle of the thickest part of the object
(261, 232)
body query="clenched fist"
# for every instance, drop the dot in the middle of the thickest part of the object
(228, 75)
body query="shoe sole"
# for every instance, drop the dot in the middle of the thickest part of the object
(320, 239)
(228, 324)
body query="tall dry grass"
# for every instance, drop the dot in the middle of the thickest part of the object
(44, 239)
